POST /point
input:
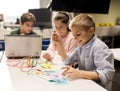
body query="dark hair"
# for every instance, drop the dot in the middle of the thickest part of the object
(64, 17)
(27, 17)
(17, 21)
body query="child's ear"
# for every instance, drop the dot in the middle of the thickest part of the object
(92, 30)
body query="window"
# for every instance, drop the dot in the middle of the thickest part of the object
(12, 9)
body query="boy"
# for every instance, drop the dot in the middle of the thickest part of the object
(27, 22)
(95, 60)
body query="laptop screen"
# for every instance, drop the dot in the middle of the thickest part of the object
(23, 46)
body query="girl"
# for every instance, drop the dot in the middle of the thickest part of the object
(61, 22)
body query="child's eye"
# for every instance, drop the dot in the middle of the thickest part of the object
(28, 25)
(78, 34)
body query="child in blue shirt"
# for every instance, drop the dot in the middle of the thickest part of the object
(95, 60)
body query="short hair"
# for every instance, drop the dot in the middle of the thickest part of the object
(27, 17)
(84, 20)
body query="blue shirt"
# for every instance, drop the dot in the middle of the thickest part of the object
(95, 56)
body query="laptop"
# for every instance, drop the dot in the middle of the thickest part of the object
(19, 46)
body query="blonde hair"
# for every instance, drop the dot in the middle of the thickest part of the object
(84, 20)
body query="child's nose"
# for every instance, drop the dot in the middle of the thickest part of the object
(75, 37)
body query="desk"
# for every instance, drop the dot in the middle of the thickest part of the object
(116, 53)
(12, 79)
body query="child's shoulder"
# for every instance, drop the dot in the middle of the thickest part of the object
(15, 31)
(32, 32)
(99, 44)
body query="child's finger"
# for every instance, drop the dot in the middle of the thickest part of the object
(66, 71)
(65, 67)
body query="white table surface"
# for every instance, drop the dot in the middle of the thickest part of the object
(116, 53)
(12, 79)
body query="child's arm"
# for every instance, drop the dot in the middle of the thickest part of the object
(72, 73)
(60, 47)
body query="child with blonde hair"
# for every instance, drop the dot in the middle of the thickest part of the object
(95, 60)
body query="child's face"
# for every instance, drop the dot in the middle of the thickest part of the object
(81, 35)
(26, 27)
(61, 28)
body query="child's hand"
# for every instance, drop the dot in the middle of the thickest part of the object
(47, 56)
(59, 45)
(56, 37)
(70, 73)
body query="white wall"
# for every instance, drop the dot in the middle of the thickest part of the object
(44, 3)
(11, 13)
